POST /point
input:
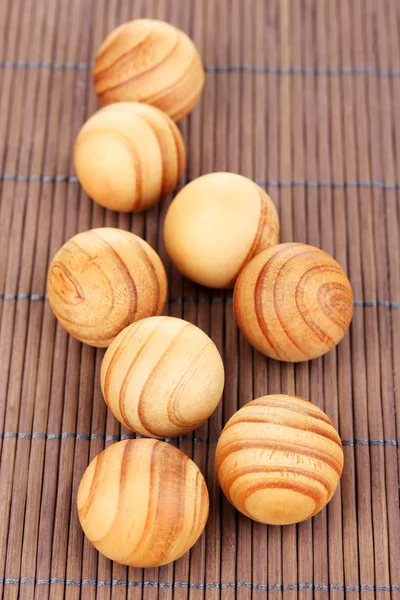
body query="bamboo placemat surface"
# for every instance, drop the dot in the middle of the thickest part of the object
(304, 97)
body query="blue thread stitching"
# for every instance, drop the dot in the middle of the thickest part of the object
(203, 586)
(201, 300)
(182, 438)
(298, 70)
(245, 68)
(41, 178)
(23, 296)
(23, 64)
(328, 184)
(265, 182)
(366, 442)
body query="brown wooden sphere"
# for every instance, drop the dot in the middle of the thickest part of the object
(279, 460)
(293, 302)
(128, 156)
(102, 280)
(149, 61)
(162, 377)
(215, 226)
(142, 503)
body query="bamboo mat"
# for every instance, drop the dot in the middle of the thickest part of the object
(304, 97)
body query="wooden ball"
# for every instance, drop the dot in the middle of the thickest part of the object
(128, 156)
(215, 226)
(142, 503)
(293, 302)
(102, 280)
(152, 62)
(279, 460)
(162, 377)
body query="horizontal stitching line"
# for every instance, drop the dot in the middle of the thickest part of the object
(329, 184)
(98, 436)
(366, 442)
(201, 300)
(23, 64)
(182, 438)
(375, 303)
(299, 70)
(204, 586)
(23, 296)
(41, 178)
(11, 64)
(267, 182)
(245, 68)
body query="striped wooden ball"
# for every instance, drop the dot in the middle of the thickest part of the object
(162, 377)
(279, 460)
(102, 280)
(293, 302)
(128, 156)
(149, 61)
(215, 226)
(142, 503)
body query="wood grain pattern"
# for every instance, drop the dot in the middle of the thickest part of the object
(128, 156)
(149, 61)
(102, 280)
(162, 377)
(304, 95)
(216, 225)
(279, 459)
(293, 302)
(142, 503)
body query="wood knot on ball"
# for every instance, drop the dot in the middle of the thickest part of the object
(293, 302)
(142, 503)
(102, 280)
(279, 460)
(162, 377)
(149, 61)
(216, 224)
(128, 156)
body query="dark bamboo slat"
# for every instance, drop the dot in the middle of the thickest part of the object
(303, 97)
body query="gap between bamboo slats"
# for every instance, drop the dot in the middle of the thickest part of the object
(279, 126)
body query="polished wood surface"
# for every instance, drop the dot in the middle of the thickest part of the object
(279, 459)
(102, 280)
(303, 96)
(162, 377)
(149, 61)
(293, 302)
(128, 156)
(142, 503)
(215, 226)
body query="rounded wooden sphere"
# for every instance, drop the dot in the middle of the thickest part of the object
(142, 503)
(128, 156)
(162, 377)
(216, 224)
(279, 460)
(152, 62)
(293, 302)
(102, 280)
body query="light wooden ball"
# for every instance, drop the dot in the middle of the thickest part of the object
(215, 226)
(128, 156)
(142, 503)
(102, 280)
(162, 377)
(279, 460)
(152, 62)
(293, 302)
